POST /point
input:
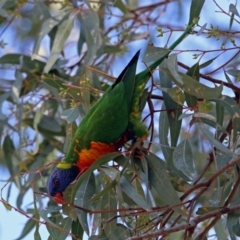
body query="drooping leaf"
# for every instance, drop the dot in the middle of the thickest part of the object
(233, 9)
(77, 229)
(8, 149)
(195, 10)
(82, 199)
(120, 233)
(213, 141)
(173, 108)
(175, 93)
(232, 220)
(63, 227)
(70, 115)
(63, 32)
(228, 78)
(154, 53)
(160, 181)
(94, 166)
(207, 63)
(234, 72)
(133, 194)
(193, 87)
(183, 158)
(219, 114)
(46, 27)
(223, 158)
(220, 230)
(27, 229)
(194, 73)
(163, 133)
(108, 222)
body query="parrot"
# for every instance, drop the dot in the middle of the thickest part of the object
(111, 122)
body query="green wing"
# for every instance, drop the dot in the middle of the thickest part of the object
(108, 118)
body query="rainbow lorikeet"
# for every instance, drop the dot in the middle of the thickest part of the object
(112, 121)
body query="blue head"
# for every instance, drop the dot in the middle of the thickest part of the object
(59, 180)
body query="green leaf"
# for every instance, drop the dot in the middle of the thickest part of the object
(204, 210)
(27, 229)
(6, 205)
(207, 63)
(229, 104)
(236, 229)
(105, 190)
(37, 223)
(63, 227)
(233, 9)
(183, 158)
(8, 149)
(195, 10)
(222, 159)
(173, 67)
(109, 203)
(119, 4)
(233, 109)
(77, 229)
(175, 93)
(50, 124)
(90, 23)
(94, 166)
(173, 108)
(70, 132)
(193, 87)
(120, 233)
(232, 220)
(70, 115)
(154, 53)
(3, 98)
(63, 32)
(219, 113)
(228, 78)
(158, 178)
(27, 64)
(220, 230)
(234, 72)
(46, 27)
(133, 194)
(82, 199)
(194, 73)
(212, 140)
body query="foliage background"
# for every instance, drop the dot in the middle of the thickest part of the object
(35, 107)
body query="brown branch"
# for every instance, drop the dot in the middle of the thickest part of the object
(191, 225)
(208, 181)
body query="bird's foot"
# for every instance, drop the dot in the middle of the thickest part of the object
(137, 149)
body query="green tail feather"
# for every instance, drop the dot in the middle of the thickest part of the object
(139, 129)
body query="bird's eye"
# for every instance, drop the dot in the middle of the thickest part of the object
(56, 181)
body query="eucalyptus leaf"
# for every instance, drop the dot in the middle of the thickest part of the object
(195, 10)
(109, 203)
(133, 194)
(183, 158)
(212, 140)
(159, 179)
(70, 115)
(63, 32)
(82, 199)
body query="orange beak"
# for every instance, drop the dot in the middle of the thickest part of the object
(58, 198)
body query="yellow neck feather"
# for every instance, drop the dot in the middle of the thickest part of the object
(64, 165)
